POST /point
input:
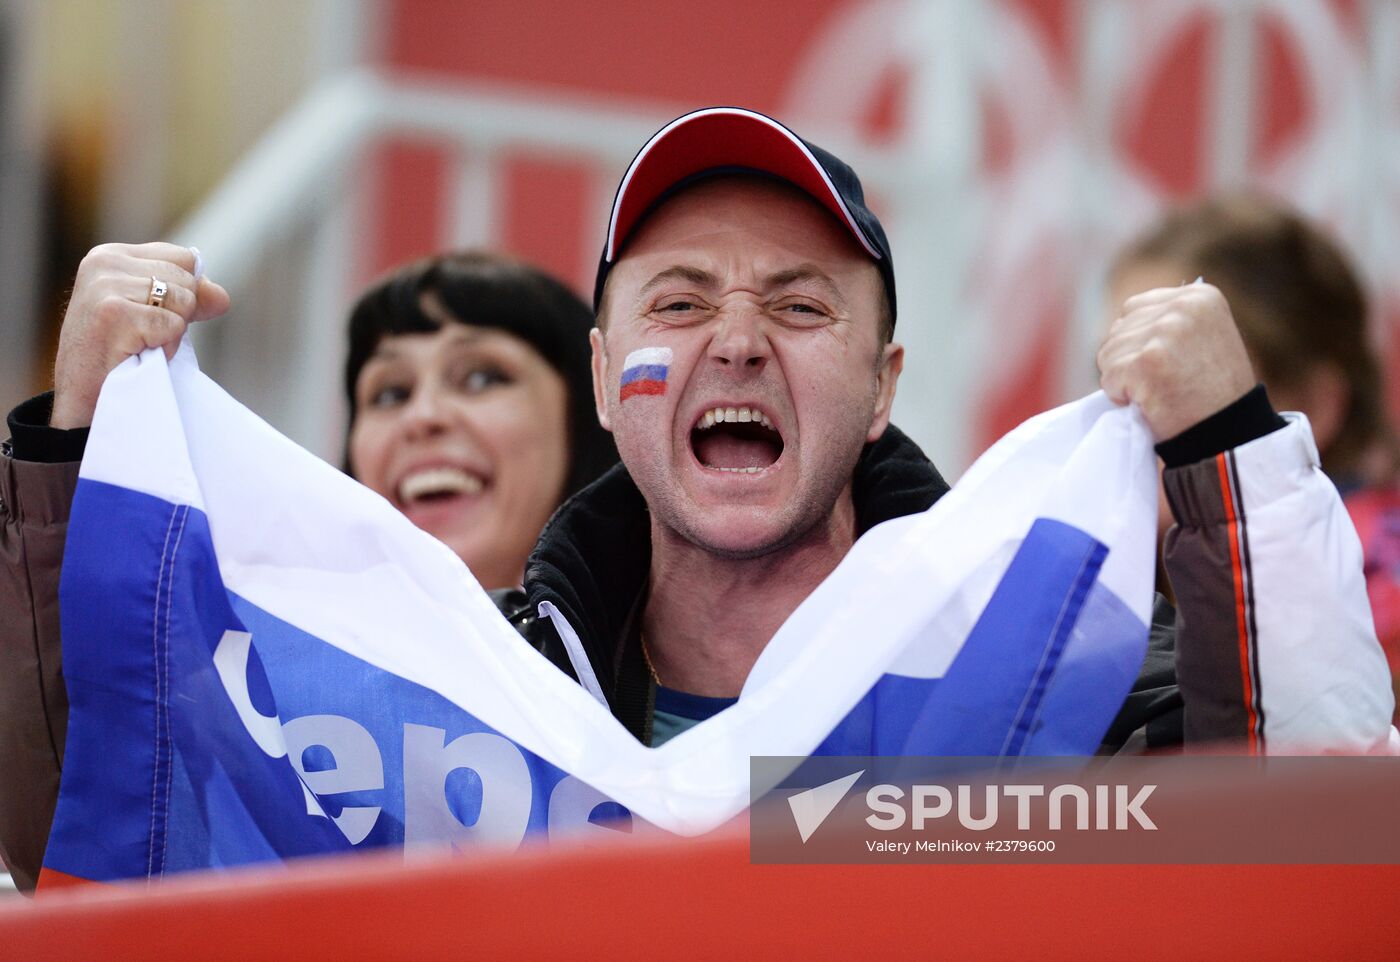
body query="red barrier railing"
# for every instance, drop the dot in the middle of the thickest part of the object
(702, 899)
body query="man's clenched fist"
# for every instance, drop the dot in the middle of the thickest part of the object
(108, 318)
(1177, 354)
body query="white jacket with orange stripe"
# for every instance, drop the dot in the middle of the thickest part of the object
(1291, 662)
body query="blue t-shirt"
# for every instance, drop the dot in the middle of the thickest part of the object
(678, 710)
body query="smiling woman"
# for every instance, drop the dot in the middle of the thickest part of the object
(471, 403)
(472, 412)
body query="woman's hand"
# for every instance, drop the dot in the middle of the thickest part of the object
(110, 317)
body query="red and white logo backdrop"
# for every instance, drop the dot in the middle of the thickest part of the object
(1009, 145)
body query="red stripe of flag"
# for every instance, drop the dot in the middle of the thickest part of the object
(641, 386)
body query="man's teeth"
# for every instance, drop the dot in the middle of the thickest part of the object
(739, 470)
(734, 416)
(438, 481)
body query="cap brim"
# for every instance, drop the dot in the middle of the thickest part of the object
(719, 137)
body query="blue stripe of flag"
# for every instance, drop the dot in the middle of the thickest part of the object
(644, 372)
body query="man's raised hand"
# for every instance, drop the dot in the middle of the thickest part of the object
(1178, 355)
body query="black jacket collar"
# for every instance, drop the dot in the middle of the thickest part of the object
(592, 559)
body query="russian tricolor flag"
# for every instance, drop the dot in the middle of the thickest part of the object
(265, 659)
(644, 372)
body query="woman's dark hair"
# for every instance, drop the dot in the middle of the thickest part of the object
(488, 290)
(1296, 300)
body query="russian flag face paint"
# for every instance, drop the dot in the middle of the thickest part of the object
(644, 372)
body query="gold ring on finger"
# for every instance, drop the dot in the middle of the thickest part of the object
(156, 296)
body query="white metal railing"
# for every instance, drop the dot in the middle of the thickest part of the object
(296, 187)
(304, 160)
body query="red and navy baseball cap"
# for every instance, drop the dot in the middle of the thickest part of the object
(716, 141)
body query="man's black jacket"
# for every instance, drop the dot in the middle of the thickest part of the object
(591, 563)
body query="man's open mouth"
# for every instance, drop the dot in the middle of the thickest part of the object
(738, 439)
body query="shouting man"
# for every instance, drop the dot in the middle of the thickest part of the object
(745, 365)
